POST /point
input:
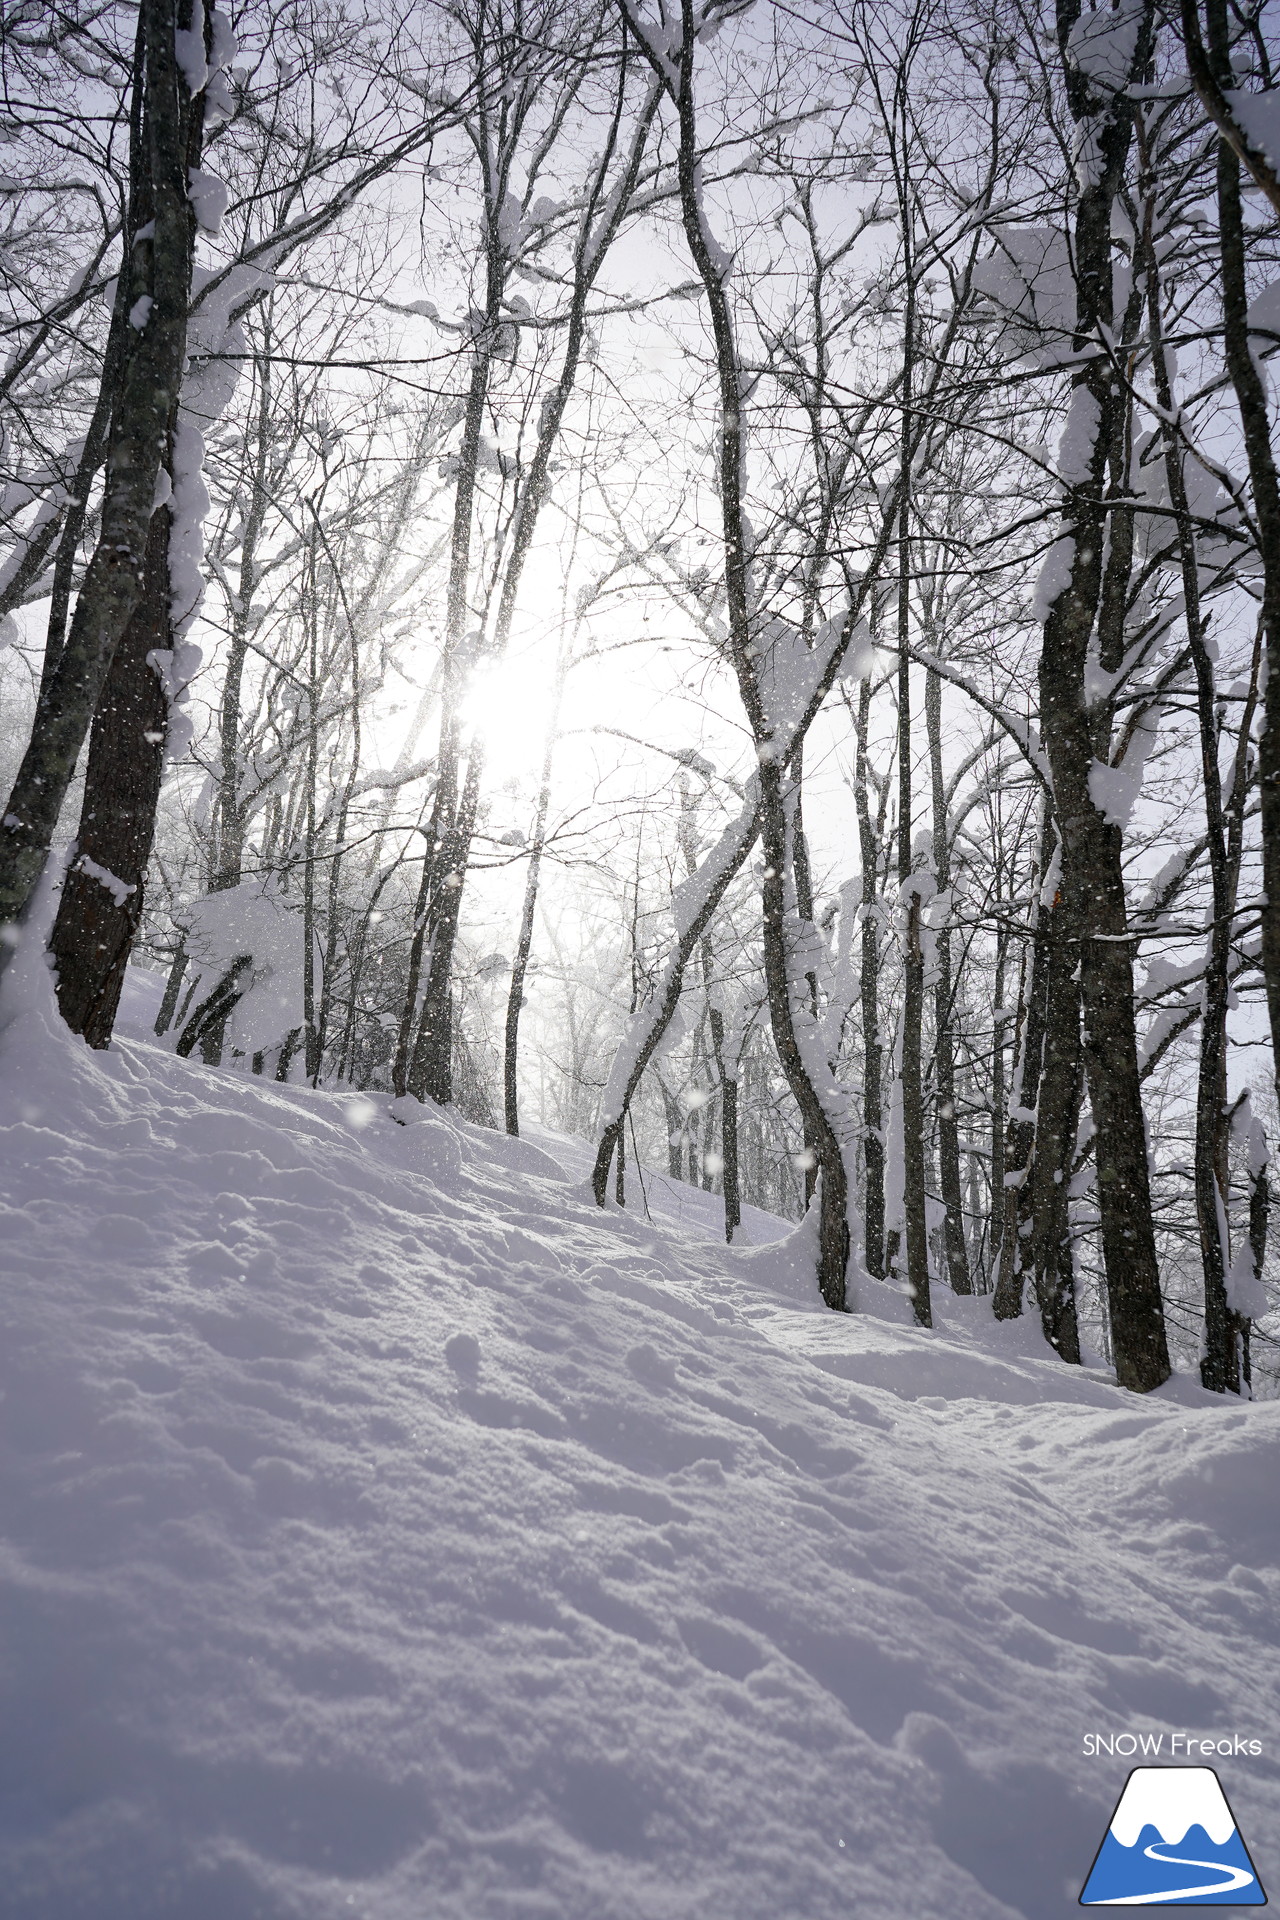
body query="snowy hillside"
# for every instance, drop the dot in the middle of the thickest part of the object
(386, 1532)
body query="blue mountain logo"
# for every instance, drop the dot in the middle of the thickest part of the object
(1172, 1842)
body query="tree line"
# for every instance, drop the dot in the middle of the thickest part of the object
(896, 377)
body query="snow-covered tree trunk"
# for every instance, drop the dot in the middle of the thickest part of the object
(696, 905)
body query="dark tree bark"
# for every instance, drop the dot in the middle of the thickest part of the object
(310, 1022)
(1016, 1195)
(1057, 1127)
(915, 1217)
(1092, 875)
(158, 269)
(999, 1116)
(954, 1242)
(172, 991)
(802, 881)
(431, 1067)
(229, 864)
(210, 1016)
(1220, 1366)
(1259, 1217)
(676, 77)
(424, 1047)
(869, 969)
(675, 1133)
(98, 919)
(728, 1086)
(103, 893)
(730, 1178)
(91, 457)
(528, 911)
(1247, 381)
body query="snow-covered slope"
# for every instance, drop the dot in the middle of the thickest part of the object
(384, 1531)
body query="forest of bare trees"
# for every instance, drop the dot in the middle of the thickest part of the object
(692, 573)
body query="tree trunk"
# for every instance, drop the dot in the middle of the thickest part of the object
(173, 988)
(431, 1069)
(454, 826)
(211, 1014)
(999, 1116)
(1219, 1367)
(102, 896)
(664, 1001)
(915, 1218)
(524, 939)
(957, 1251)
(869, 956)
(1057, 1127)
(91, 457)
(715, 1021)
(1093, 879)
(802, 879)
(228, 868)
(424, 1046)
(674, 1120)
(730, 1186)
(713, 266)
(1247, 380)
(1015, 1196)
(159, 273)
(1259, 1216)
(833, 1195)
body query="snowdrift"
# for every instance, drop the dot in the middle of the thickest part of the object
(385, 1531)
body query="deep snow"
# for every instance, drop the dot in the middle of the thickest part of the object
(384, 1531)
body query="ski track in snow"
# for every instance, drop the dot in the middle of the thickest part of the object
(1237, 1877)
(384, 1531)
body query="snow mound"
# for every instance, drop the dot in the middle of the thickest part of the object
(254, 924)
(386, 1531)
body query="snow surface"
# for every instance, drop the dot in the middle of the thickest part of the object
(385, 1531)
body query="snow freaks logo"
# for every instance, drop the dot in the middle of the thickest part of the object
(1173, 1841)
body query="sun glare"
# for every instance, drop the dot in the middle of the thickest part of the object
(509, 704)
